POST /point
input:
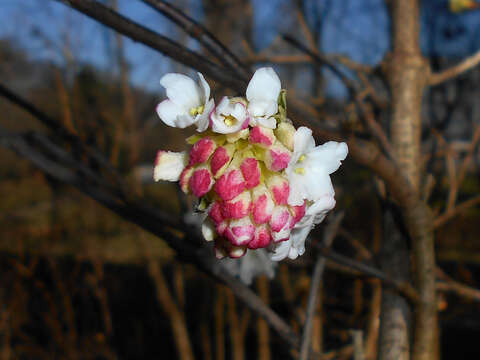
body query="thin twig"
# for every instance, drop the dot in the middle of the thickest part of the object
(57, 127)
(105, 15)
(450, 285)
(448, 74)
(442, 219)
(329, 235)
(177, 317)
(205, 37)
(403, 288)
(367, 114)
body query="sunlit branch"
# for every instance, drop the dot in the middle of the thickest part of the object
(199, 32)
(375, 128)
(137, 32)
(448, 74)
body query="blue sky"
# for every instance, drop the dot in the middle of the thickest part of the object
(358, 28)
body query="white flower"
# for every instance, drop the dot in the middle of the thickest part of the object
(188, 102)
(295, 245)
(252, 264)
(310, 167)
(229, 116)
(169, 165)
(262, 94)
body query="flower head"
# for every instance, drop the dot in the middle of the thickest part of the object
(262, 184)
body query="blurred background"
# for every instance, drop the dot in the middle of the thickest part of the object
(79, 282)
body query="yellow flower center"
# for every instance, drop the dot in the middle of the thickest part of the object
(197, 110)
(301, 158)
(230, 120)
(300, 171)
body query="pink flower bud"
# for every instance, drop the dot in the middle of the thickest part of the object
(298, 212)
(221, 158)
(240, 232)
(284, 133)
(280, 218)
(262, 205)
(215, 212)
(185, 178)
(261, 238)
(230, 184)
(238, 207)
(219, 248)
(222, 227)
(224, 248)
(201, 181)
(262, 136)
(277, 157)
(278, 186)
(251, 172)
(201, 151)
(236, 252)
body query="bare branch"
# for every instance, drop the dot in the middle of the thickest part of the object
(365, 111)
(448, 74)
(402, 287)
(449, 285)
(57, 127)
(329, 235)
(205, 37)
(447, 216)
(137, 32)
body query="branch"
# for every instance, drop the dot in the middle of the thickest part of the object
(329, 235)
(402, 287)
(448, 74)
(365, 112)
(205, 37)
(442, 219)
(56, 126)
(448, 284)
(137, 32)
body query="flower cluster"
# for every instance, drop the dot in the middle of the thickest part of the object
(260, 182)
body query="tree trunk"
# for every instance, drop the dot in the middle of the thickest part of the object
(407, 74)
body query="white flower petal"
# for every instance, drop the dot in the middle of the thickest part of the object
(251, 265)
(264, 85)
(222, 107)
(205, 88)
(303, 141)
(329, 155)
(239, 112)
(182, 90)
(323, 205)
(298, 236)
(281, 250)
(292, 253)
(296, 196)
(203, 120)
(173, 115)
(317, 184)
(270, 123)
(208, 230)
(262, 108)
(169, 165)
